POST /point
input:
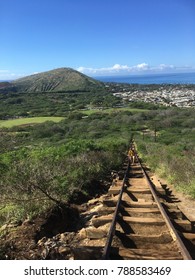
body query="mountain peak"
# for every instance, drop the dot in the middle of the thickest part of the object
(60, 79)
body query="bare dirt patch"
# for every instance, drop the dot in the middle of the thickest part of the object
(20, 242)
(185, 203)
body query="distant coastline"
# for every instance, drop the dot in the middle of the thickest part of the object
(169, 78)
(165, 78)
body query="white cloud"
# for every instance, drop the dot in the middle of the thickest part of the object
(142, 66)
(9, 75)
(34, 73)
(85, 69)
(135, 69)
(164, 67)
(122, 69)
(119, 67)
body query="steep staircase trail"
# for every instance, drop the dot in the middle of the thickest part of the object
(138, 218)
(140, 231)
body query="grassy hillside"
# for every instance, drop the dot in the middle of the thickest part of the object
(4, 84)
(62, 79)
(45, 104)
(67, 158)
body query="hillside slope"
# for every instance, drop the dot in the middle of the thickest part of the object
(62, 79)
(4, 84)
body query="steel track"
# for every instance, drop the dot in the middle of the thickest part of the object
(176, 240)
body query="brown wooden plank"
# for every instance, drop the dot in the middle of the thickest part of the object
(163, 238)
(189, 236)
(133, 204)
(149, 254)
(143, 220)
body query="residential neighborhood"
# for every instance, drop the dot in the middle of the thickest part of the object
(167, 95)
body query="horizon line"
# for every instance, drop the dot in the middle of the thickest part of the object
(116, 70)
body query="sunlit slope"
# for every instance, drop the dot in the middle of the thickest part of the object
(62, 79)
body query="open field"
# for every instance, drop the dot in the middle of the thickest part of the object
(26, 121)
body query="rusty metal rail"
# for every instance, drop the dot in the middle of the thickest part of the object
(115, 216)
(171, 228)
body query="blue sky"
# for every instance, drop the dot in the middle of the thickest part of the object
(99, 37)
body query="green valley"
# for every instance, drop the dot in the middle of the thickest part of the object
(60, 147)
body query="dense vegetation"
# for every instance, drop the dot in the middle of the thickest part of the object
(49, 163)
(172, 152)
(58, 162)
(13, 105)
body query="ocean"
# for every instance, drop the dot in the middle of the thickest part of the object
(170, 78)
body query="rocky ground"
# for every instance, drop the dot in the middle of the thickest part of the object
(57, 234)
(50, 236)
